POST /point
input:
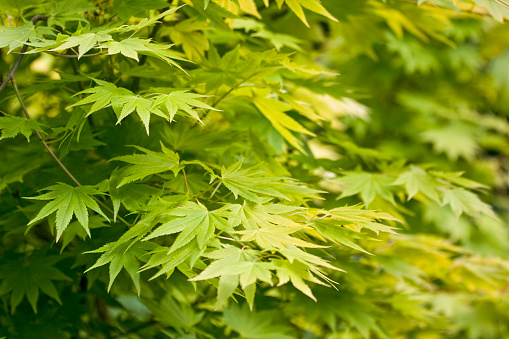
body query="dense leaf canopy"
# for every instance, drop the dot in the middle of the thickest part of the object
(264, 169)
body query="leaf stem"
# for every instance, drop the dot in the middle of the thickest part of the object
(215, 189)
(185, 181)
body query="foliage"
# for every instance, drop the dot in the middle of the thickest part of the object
(254, 169)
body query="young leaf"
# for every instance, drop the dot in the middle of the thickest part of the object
(125, 255)
(102, 95)
(274, 110)
(183, 101)
(12, 126)
(417, 180)
(36, 273)
(66, 201)
(85, 42)
(197, 222)
(147, 164)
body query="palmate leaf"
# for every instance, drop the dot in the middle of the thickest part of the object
(274, 111)
(275, 237)
(12, 126)
(128, 47)
(312, 5)
(36, 273)
(368, 185)
(255, 325)
(143, 107)
(417, 180)
(85, 41)
(183, 101)
(15, 37)
(196, 222)
(253, 185)
(66, 201)
(125, 255)
(253, 216)
(234, 266)
(463, 201)
(137, 8)
(101, 96)
(147, 164)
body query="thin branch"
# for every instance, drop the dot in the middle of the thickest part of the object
(13, 81)
(20, 56)
(10, 77)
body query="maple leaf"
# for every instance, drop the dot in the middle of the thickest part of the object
(12, 126)
(312, 5)
(66, 201)
(143, 107)
(249, 183)
(255, 325)
(275, 237)
(14, 37)
(85, 42)
(101, 96)
(68, 10)
(197, 222)
(125, 255)
(368, 185)
(128, 47)
(183, 101)
(233, 261)
(254, 216)
(417, 180)
(274, 110)
(137, 8)
(147, 164)
(36, 273)
(457, 140)
(339, 234)
(463, 201)
(188, 33)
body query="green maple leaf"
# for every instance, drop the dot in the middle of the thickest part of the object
(274, 110)
(183, 101)
(255, 325)
(417, 180)
(128, 47)
(196, 222)
(226, 70)
(66, 201)
(125, 255)
(67, 10)
(143, 107)
(137, 8)
(15, 37)
(463, 201)
(147, 164)
(356, 218)
(275, 237)
(27, 276)
(101, 96)
(253, 216)
(312, 5)
(12, 126)
(368, 185)
(234, 265)
(457, 140)
(85, 42)
(253, 185)
(339, 234)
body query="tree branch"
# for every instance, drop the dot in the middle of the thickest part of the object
(20, 56)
